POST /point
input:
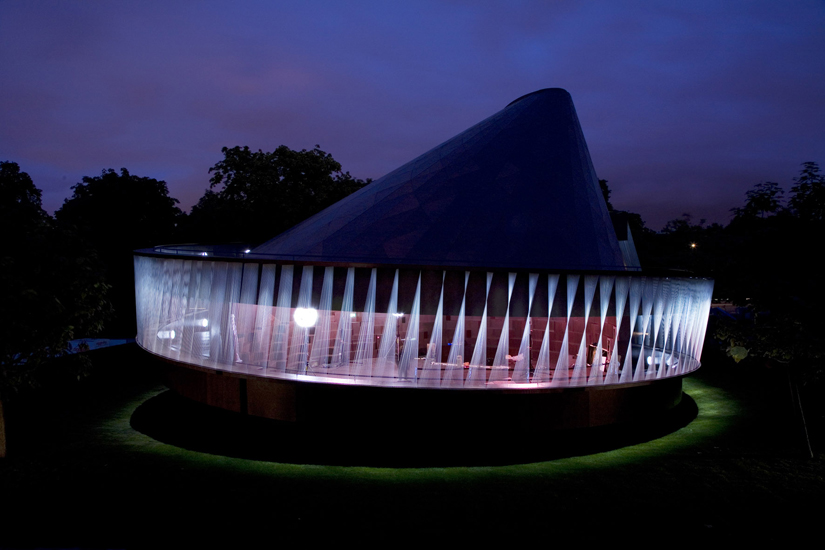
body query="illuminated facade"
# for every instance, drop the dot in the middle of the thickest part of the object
(489, 262)
(440, 328)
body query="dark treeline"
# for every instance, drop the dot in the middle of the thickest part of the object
(52, 285)
(71, 275)
(766, 261)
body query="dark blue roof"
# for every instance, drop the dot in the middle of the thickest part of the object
(517, 190)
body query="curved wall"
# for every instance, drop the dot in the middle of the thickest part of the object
(454, 412)
(406, 327)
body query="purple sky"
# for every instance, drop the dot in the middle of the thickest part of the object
(684, 107)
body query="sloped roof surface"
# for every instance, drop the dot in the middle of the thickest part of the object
(517, 190)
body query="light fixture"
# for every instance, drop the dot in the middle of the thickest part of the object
(305, 317)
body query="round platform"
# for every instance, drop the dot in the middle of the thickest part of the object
(416, 408)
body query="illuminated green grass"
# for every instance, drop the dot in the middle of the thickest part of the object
(737, 470)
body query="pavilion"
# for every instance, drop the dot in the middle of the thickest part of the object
(486, 270)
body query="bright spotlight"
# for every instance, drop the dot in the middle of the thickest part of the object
(305, 317)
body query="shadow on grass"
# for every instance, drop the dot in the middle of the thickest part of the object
(177, 421)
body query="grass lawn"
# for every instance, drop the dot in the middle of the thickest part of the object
(83, 470)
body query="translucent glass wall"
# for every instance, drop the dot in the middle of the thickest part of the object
(385, 326)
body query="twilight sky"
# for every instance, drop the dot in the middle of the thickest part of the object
(685, 105)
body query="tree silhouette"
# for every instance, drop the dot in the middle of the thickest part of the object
(255, 195)
(51, 287)
(771, 273)
(121, 211)
(763, 200)
(808, 195)
(117, 213)
(605, 193)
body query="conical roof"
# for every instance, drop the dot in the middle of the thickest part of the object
(517, 190)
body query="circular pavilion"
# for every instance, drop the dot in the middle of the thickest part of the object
(483, 279)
